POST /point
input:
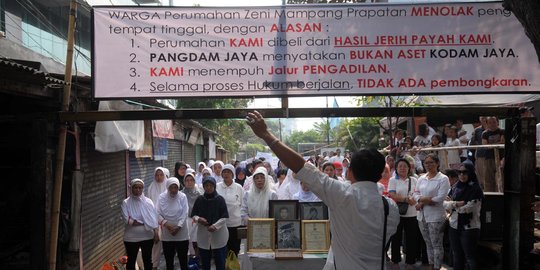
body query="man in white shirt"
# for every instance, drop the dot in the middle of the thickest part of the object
(357, 210)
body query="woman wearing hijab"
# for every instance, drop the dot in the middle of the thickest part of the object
(180, 171)
(233, 194)
(466, 201)
(430, 192)
(172, 208)
(158, 186)
(192, 192)
(141, 225)
(199, 174)
(281, 185)
(210, 212)
(217, 167)
(207, 171)
(241, 176)
(400, 189)
(255, 203)
(292, 184)
(305, 195)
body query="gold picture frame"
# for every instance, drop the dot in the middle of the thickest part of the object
(316, 236)
(260, 236)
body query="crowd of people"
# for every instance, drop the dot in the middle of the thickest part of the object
(486, 131)
(198, 212)
(441, 192)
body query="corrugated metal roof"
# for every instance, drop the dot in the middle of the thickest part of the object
(16, 71)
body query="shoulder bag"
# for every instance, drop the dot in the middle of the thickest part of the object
(403, 206)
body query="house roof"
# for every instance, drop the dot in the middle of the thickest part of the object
(20, 70)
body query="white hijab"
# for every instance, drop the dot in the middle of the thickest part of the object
(170, 208)
(231, 168)
(283, 190)
(306, 196)
(198, 178)
(258, 198)
(155, 188)
(293, 184)
(141, 209)
(218, 178)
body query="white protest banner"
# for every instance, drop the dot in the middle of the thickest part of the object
(446, 48)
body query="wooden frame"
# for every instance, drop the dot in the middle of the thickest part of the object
(318, 209)
(284, 239)
(277, 209)
(315, 236)
(261, 235)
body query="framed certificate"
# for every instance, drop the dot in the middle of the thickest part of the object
(261, 237)
(315, 236)
(313, 211)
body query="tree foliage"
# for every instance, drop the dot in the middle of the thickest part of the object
(390, 101)
(358, 133)
(251, 149)
(296, 137)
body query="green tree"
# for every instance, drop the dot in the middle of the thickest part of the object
(251, 149)
(359, 133)
(296, 137)
(390, 101)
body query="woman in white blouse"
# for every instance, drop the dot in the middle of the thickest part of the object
(401, 188)
(172, 208)
(141, 225)
(158, 186)
(431, 190)
(256, 200)
(233, 194)
(192, 192)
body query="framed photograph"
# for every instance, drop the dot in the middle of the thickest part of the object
(260, 236)
(313, 211)
(283, 209)
(316, 236)
(288, 234)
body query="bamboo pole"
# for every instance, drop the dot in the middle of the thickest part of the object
(61, 148)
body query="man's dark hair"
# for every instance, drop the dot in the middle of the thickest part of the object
(256, 162)
(281, 172)
(367, 165)
(423, 130)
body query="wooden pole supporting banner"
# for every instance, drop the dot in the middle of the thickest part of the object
(61, 148)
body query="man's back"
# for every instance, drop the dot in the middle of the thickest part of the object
(356, 219)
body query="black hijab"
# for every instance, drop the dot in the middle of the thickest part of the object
(210, 206)
(466, 192)
(470, 190)
(238, 171)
